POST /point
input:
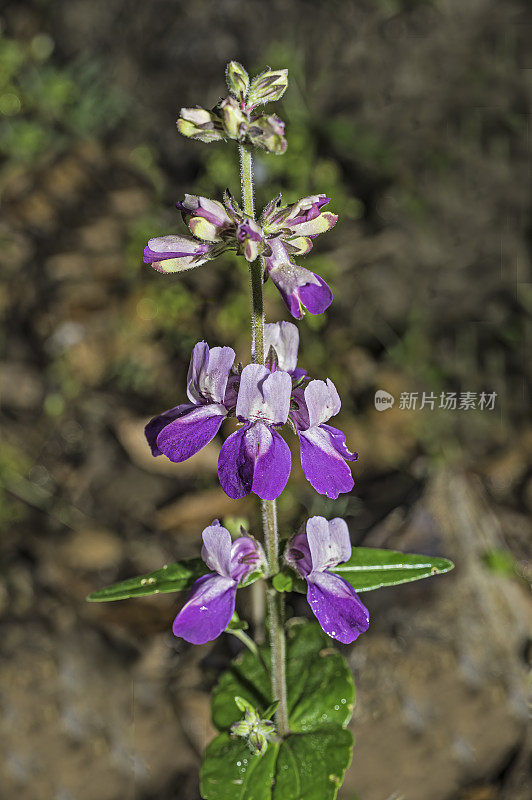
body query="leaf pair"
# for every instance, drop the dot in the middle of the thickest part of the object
(367, 569)
(310, 763)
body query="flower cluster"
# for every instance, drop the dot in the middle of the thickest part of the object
(256, 458)
(234, 564)
(236, 117)
(283, 232)
(262, 398)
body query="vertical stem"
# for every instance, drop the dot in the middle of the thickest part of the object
(256, 268)
(276, 617)
(269, 507)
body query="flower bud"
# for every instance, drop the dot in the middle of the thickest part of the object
(267, 87)
(234, 120)
(268, 132)
(241, 728)
(258, 744)
(257, 732)
(237, 80)
(249, 238)
(207, 219)
(198, 123)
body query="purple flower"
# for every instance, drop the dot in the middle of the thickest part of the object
(323, 448)
(215, 227)
(256, 458)
(333, 601)
(249, 238)
(289, 231)
(176, 253)
(211, 604)
(284, 232)
(207, 219)
(182, 431)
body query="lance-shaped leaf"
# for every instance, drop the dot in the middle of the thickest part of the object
(171, 578)
(370, 568)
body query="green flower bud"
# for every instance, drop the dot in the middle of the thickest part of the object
(267, 87)
(268, 133)
(258, 743)
(234, 119)
(237, 80)
(257, 732)
(198, 123)
(241, 728)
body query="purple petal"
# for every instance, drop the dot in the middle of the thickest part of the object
(337, 606)
(307, 208)
(211, 210)
(216, 550)
(164, 247)
(208, 373)
(284, 338)
(155, 425)
(264, 395)
(272, 468)
(297, 554)
(186, 435)
(298, 373)
(324, 467)
(298, 409)
(338, 441)
(235, 469)
(231, 392)
(254, 459)
(322, 401)
(298, 286)
(316, 298)
(247, 556)
(208, 611)
(248, 229)
(329, 542)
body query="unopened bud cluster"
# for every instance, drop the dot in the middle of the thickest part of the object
(257, 732)
(236, 116)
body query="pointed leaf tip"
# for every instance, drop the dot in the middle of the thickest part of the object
(371, 568)
(176, 577)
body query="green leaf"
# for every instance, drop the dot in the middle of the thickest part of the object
(237, 624)
(319, 683)
(282, 582)
(171, 578)
(307, 766)
(369, 568)
(230, 772)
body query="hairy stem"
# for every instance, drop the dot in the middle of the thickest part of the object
(269, 507)
(256, 268)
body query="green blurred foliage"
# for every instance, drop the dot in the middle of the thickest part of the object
(43, 107)
(14, 466)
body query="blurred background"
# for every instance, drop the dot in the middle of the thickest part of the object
(413, 116)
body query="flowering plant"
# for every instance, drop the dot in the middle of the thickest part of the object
(282, 710)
